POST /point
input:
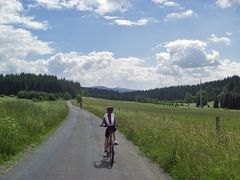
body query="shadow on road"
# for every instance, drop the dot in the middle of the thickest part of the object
(102, 164)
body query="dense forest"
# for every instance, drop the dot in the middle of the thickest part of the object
(11, 84)
(225, 93)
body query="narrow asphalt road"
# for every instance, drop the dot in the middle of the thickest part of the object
(74, 152)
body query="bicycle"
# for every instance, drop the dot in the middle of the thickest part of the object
(110, 148)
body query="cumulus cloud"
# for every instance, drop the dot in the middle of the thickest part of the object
(103, 68)
(185, 55)
(19, 43)
(213, 38)
(11, 12)
(166, 3)
(227, 3)
(180, 15)
(100, 67)
(125, 22)
(90, 69)
(98, 6)
(188, 60)
(19, 65)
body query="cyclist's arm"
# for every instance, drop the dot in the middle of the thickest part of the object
(115, 122)
(103, 122)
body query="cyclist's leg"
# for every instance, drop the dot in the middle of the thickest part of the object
(106, 139)
(114, 136)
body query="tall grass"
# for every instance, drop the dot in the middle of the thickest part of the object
(183, 141)
(24, 122)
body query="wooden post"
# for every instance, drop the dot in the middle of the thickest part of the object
(218, 124)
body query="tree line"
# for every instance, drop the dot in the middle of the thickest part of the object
(11, 84)
(225, 93)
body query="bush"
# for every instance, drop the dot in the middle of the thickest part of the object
(35, 100)
(23, 122)
(9, 136)
(79, 98)
(41, 96)
(67, 96)
(52, 97)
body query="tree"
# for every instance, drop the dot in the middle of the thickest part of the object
(12, 83)
(188, 98)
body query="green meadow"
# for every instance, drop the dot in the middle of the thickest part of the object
(182, 140)
(24, 123)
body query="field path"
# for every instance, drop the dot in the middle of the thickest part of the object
(74, 152)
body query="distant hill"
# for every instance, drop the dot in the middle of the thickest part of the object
(118, 89)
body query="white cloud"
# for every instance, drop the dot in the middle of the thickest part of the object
(98, 6)
(12, 12)
(166, 3)
(103, 68)
(180, 15)
(90, 69)
(215, 39)
(111, 17)
(227, 3)
(18, 66)
(99, 67)
(185, 55)
(19, 43)
(185, 61)
(125, 22)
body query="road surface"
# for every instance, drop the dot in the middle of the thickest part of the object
(74, 152)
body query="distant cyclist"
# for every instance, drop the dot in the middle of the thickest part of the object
(109, 120)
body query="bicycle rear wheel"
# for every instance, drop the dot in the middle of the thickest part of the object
(111, 154)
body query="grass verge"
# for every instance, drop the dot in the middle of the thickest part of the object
(183, 141)
(24, 123)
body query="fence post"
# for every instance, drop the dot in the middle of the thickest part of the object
(218, 124)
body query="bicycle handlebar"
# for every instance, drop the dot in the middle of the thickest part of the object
(101, 125)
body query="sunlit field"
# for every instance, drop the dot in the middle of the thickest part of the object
(24, 123)
(183, 140)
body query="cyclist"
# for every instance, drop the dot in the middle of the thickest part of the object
(109, 121)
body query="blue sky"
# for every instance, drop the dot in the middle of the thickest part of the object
(122, 43)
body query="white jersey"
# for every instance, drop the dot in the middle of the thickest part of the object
(111, 121)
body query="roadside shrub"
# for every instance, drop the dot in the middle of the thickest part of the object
(33, 126)
(67, 96)
(9, 136)
(24, 122)
(79, 98)
(35, 100)
(41, 96)
(52, 97)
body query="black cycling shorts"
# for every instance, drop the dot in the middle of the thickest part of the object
(109, 130)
